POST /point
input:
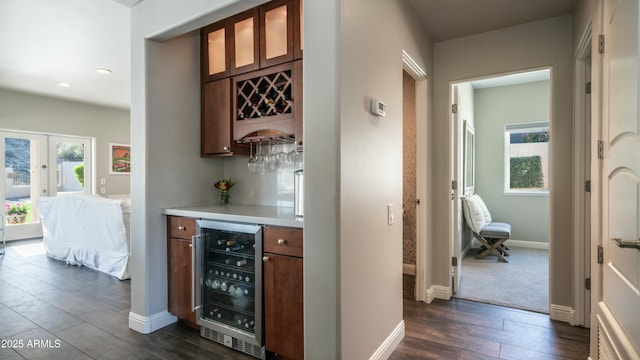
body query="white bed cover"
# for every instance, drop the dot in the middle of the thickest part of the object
(87, 230)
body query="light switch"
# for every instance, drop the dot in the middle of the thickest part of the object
(390, 214)
(103, 181)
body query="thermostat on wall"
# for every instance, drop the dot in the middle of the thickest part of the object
(378, 108)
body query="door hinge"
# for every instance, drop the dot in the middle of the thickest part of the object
(600, 149)
(587, 88)
(601, 43)
(600, 254)
(454, 261)
(454, 108)
(587, 186)
(454, 185)
(587, 284)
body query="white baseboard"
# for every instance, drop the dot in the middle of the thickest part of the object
(409, 269)
(519, 244)
(390, 343)
(562, 313)
(438, 292)
(149, 324)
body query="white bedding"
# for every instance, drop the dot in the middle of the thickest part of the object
(87, 230)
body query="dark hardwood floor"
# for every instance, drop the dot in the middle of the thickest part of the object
(50, 310)
(461, 329)
(77, 313)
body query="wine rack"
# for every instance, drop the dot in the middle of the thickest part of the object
(231, 280)
(267, 100)
(267, 95)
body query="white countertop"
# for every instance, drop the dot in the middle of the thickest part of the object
(254, 214)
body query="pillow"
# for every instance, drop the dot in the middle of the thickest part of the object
(483, 206)
(473, 214)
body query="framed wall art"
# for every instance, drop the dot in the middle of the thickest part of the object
(119, 158)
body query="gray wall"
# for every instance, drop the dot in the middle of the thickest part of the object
(533, 45)
(495, 107)
(30, 112)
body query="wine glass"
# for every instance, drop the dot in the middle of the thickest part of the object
(296, 158)
(251, 164)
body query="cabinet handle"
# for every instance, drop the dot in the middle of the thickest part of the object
(226, 148)
(182, 228)
(265, 258)
(282, 242)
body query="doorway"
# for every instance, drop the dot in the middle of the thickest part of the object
(500, 125)
(409, 195)
(38, 165)
(415, 84)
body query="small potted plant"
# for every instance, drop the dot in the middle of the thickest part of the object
(16, 212)
(224, 186)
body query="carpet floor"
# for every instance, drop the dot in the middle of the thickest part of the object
(522, 283)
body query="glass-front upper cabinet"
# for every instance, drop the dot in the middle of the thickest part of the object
(244, 49)
(215, 46)
(260, 37)
(276, 32)
(298, 29)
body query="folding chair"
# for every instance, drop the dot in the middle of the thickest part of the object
(492, 235)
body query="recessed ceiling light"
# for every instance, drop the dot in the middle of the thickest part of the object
(103, 70)
(64, 84)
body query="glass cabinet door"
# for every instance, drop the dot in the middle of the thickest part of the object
(215, 40)
(244, 50)
(276, 33)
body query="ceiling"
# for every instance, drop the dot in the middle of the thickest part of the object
(46, 42)
(449, 19)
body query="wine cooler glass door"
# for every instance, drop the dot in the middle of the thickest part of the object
(232, 278)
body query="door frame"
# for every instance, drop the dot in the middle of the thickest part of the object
(597, 64)
(422, 176)
(582, 173)
(455, 162)
(455, 229)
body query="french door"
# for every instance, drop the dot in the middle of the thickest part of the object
(71, 165)
(24, 180)
(39, 165)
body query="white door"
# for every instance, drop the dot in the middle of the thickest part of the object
(618, 319)
(456, 184)
(23, 180)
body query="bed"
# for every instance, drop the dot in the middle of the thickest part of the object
(89, 231)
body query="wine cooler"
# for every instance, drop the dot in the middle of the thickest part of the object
(230, 271)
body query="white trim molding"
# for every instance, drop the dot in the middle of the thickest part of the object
(390, 343)
(149, 324)
(562, 313)
(409, 269)
(439, 292)
(409, 64)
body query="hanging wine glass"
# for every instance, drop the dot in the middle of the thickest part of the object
(251, 164)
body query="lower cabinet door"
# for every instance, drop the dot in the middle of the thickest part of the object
(283, 303)
(180, 279)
